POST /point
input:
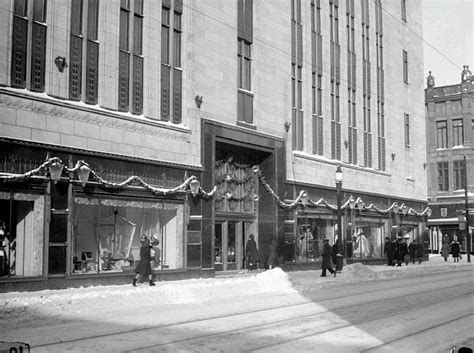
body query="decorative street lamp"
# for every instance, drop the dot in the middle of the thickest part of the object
(194, 186)
(55, 170)
(339, 208)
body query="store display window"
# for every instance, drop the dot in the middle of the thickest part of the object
(21, 234)
(368, 236)
(309, 238)
(107, 234)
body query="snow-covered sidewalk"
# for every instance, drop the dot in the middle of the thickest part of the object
(85, 301)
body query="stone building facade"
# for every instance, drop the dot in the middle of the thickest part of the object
(176, 91)
(450, 145)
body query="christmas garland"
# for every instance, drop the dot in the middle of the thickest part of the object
(323, 203)
(82, 166)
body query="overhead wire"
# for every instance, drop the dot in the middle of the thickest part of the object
(326, 71)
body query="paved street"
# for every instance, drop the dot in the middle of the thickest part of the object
(409, 313)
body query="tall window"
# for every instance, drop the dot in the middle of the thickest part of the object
(297, 74)
(407, 129)
(380, 85)
(441, 134)
(351, 82)
(459, 174)
(443, 179)
(366, 83)
(404, 10)
(458, 132)
(84, 51)
(244, 57)
(171, 71)
(405, 66)
(131, 56)
(335, 62)
(317, 72)
(29, 45)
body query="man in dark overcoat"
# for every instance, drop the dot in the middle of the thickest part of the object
(389, 251)
(327, 257)
(419, 251)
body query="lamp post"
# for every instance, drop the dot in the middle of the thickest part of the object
(339, 208)
(466, 205)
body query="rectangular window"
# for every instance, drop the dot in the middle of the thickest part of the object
(459, 175)
(131, 57)
(443, 179)
(405, 66)
(441, 134)
(297, 75)
(407, 130)
(245, 20)
(25, 44)
(404, 10)
(22, 227)
(458, 132)
(107, 234)
(171, 71)
(244, 61)
(84, 87)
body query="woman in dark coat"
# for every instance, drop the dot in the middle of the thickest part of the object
(327, 257)
(251, 253)
(272, 254)
(144, 265)
(419, 251)
(455, 250)
(389, 250)
(445, 251)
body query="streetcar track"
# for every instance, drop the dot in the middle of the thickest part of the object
(280, 342)
(321, 303)
(418, 332)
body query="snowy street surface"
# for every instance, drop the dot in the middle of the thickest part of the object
(425, 307)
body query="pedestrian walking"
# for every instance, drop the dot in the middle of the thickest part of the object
(272, 254)
(251, 253)
(394, 246)
(402, 252)
(387, 251)
(327, 257)
(412, 251)
(419, 251)
(455, 250)
(445, 251)
(143, 268)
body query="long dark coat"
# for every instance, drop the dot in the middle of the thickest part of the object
(445, 250)
(327, 256)
(419, 250)
(251, 251)
(455, 249)
(402, 251)
(272, 254)
(389, 250)
(144, 266)
(412, 250)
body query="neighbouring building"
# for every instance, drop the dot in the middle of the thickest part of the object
(111, 111)
(450, 163)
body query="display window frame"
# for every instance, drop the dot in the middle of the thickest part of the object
(22, 248)
(139, 214)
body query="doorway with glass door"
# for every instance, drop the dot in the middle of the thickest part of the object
(230, 238)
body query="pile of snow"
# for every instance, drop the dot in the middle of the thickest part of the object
(88, 301)
(164, 293)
